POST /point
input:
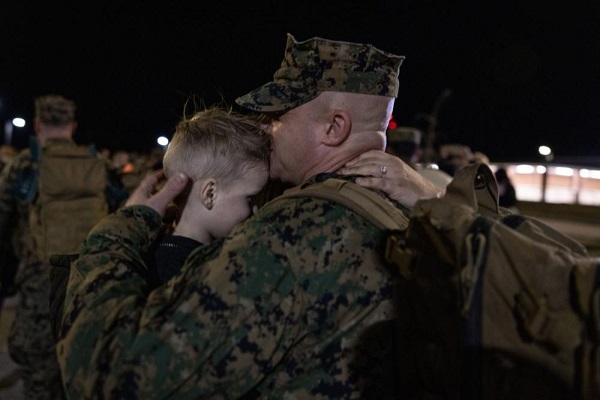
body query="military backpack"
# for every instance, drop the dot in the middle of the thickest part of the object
(490, 305)
(65, 186)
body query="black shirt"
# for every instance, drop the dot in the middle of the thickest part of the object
(170, 255)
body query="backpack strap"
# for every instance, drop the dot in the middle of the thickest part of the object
(26, 184)
(475, 186)
(93, 149)
(365, 202)
(368, 204)
(36, 149)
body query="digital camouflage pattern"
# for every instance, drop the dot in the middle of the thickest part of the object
(295, 304)
(14, 214)
(316, 65)
(30, 342)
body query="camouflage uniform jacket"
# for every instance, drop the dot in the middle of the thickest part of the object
(14, 214)
(295, 304)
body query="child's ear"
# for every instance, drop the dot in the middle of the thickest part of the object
(208, 192)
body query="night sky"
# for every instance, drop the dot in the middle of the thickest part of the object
(519, 73)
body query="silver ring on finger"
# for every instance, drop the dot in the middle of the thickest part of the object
(383, 169)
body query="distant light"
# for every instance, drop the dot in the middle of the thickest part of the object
(392, 124)
(524, 169)
(18, 122)
(540, 169)
(586, 173)
(544, 150)
(563, 171)
(162, 140)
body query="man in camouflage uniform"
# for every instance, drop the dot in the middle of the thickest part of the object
(296, 303)
(30, 342)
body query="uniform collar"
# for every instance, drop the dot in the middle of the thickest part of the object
(59, 141)
(351, 178)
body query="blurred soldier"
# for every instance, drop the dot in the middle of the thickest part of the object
(454, 156)
(9, 261)
(53, 157)
(405, 142)
(507, 194)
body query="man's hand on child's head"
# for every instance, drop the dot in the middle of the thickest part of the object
(148, 194)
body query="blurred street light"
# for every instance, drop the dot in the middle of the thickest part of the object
(162, 140)
(545, 152)
(8, 128)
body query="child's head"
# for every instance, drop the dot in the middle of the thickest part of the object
(226, 155)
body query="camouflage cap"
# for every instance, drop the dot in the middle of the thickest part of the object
(54, 110)
(404, 134)
(317, 65)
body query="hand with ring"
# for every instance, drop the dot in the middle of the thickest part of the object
(391, 175)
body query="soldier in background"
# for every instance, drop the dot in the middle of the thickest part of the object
(9, 261)
(405, 142)
(31, 344)
(56, 191)
(507, 194)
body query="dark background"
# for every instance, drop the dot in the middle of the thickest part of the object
(520, 73)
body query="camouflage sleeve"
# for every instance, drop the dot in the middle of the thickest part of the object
(280, 298)
(129, 233)
(7, 203)
(8, 206)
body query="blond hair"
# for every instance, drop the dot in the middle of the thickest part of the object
(216, 143)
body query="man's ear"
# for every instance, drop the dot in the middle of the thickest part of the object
(339, 128)
(208, 192)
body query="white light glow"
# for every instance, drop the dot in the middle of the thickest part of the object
(18, 122)
(544, 150)
(524, 169)
(563, 171)
(587, 173)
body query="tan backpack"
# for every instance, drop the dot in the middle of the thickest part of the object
(71, 183)
(490, 305)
